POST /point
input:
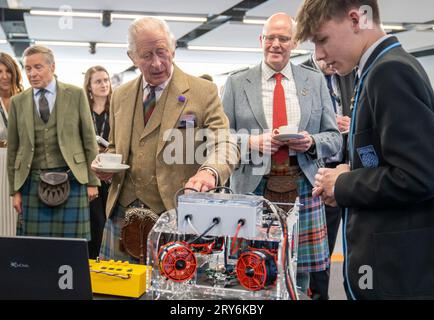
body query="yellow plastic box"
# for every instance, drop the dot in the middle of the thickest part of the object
(119, 278)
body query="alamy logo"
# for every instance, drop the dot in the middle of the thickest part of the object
(67, 279)
(66, 20)
(366, 19)
(366, 279)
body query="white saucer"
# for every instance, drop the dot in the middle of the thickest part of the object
(112, 169)
(287, 136)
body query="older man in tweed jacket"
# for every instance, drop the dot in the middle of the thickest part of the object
(50, 129)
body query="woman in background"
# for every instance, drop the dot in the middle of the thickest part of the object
(10, 84)
(98, 91)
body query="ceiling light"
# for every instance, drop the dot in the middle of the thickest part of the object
(15, 35)
(63, 43)
(210, 48)
(111, 45)
(262, 21)
(392, 27)
(239, 49)
(166, 18)
(3, 41)
(82, 14)
(254, 21)
(66, 13)
(127, 61)
(81, 44)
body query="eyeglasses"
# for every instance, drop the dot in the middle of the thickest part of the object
(271, 38)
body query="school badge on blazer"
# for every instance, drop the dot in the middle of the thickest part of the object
(368, 156)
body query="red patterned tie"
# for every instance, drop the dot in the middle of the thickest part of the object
(279, 117)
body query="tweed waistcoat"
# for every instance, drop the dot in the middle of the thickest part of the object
(47, 152)
(140, 181)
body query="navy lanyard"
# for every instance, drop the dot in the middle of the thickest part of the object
(356, 100)
(103, 124)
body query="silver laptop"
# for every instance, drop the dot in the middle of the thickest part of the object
(44, 268)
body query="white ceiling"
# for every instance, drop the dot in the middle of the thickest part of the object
(270, 7)
(241, 35)
(5, 47)
(410, 11)
(172, 6)
(86, 29)
(72, 62)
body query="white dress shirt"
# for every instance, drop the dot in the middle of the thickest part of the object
(293, 113)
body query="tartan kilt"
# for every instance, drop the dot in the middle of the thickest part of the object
(110, 246)
(69, 220)
(313, 248)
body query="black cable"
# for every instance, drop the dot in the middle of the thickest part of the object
(188, 219)
(175, 197)
(269, 227)
(215, 222)
(220, 188)
(175, 201)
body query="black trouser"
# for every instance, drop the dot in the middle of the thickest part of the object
(319, 281)
(97, 220)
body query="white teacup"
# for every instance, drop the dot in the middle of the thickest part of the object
(287, 130)
(110, 159)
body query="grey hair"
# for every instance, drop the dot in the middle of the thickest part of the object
(48, 54)
(149, 24)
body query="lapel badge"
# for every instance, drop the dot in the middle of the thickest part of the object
(304, 92)
(181, 99)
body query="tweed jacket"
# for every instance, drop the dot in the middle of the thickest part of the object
(75, 135)
(242, 101)
(185, 97)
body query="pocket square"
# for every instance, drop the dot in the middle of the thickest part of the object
(187, 121)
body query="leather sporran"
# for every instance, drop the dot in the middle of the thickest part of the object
(282, 189)
(137, 225)
(54, 188)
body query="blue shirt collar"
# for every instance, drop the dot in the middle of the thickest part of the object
(51, 88)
